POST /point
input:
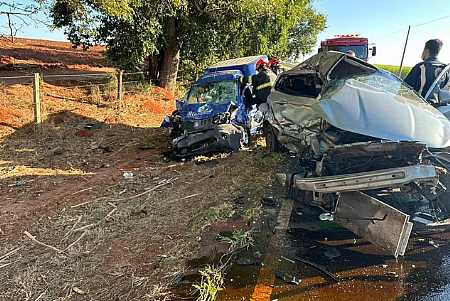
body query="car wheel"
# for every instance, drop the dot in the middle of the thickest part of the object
(272, 143)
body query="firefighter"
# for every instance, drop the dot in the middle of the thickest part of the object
(274, 65)
(422, 75)
(262, 83)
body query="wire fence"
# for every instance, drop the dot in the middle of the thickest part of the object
(107, 89)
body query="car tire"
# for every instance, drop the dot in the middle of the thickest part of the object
(272, 143)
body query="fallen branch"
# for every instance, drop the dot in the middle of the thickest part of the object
(189, 196)
(170, 181)
(77, 240)
(74, 225)
(108, 216)
(88, 202)
(82, 190)
(41, 243)
(3, 257)
(40, 296)
(124, 147)
(7, 264)
(84, 228)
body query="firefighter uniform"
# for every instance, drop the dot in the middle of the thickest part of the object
(422, 76)
(262, 84)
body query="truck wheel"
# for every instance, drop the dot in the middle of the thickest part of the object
(272, 143)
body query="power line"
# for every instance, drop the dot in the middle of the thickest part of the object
(431, 21)
(385, 36)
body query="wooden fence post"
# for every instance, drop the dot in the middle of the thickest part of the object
(120, 86)
(37, 98)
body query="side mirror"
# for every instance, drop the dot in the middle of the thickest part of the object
(374, 51)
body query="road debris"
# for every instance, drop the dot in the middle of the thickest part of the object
(78, 291)
(269, 201)
(128, 175)
(288, 278)
(318, 267)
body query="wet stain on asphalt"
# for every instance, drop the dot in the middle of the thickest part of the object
(363, 270)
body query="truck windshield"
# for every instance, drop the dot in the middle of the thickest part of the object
(360, 50)
(217, 92)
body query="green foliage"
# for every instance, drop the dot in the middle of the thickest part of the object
(238, 239)
(210, 285)
(210, 216)
(206, 30)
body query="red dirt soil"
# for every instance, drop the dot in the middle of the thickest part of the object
(52, 57)
(68, 173)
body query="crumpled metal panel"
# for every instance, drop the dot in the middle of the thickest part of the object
(223, 137)
(365, 180)
(362, 109)
(391, 230)
(294, 117)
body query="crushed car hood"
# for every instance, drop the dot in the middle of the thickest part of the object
(359, 108)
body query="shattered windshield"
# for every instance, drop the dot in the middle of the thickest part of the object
(217, 92)
(381, 81)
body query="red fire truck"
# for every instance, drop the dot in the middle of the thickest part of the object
(347, 42)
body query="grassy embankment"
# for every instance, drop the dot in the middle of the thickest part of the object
(394, 69)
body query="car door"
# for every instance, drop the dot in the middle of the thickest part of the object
(439, 92)
(292, 104)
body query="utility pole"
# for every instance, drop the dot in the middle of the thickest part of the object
(404, 51)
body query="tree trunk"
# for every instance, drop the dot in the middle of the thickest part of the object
(10, 25)
(170, 57)
(152, 67)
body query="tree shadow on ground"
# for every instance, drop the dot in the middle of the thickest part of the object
(68, 153)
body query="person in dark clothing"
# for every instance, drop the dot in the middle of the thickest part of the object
(422, 75)
(262, 83)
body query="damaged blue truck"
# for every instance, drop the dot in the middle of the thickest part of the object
(212, 117)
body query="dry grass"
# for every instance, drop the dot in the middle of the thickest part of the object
(135, 251)
(123, 239)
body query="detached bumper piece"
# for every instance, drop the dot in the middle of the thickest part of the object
(389, 228)
(223, 138)
(364, 215)
(424, 174)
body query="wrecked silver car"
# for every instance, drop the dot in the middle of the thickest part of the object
(371, 152)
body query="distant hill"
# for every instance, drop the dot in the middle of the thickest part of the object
(26, 56)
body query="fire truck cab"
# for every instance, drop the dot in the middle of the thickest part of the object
(350, 42)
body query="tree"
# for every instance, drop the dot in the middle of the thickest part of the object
(19, 13)
(186, 35)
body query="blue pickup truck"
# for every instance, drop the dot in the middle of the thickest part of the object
(212, 117)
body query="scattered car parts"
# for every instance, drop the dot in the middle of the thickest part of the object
(371, 151)
(212, 117)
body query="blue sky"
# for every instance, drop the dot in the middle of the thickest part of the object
(384, 22)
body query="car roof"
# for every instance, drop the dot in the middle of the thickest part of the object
(324, 62)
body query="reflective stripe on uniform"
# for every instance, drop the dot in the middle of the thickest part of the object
(266, 85)
(423, 78)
